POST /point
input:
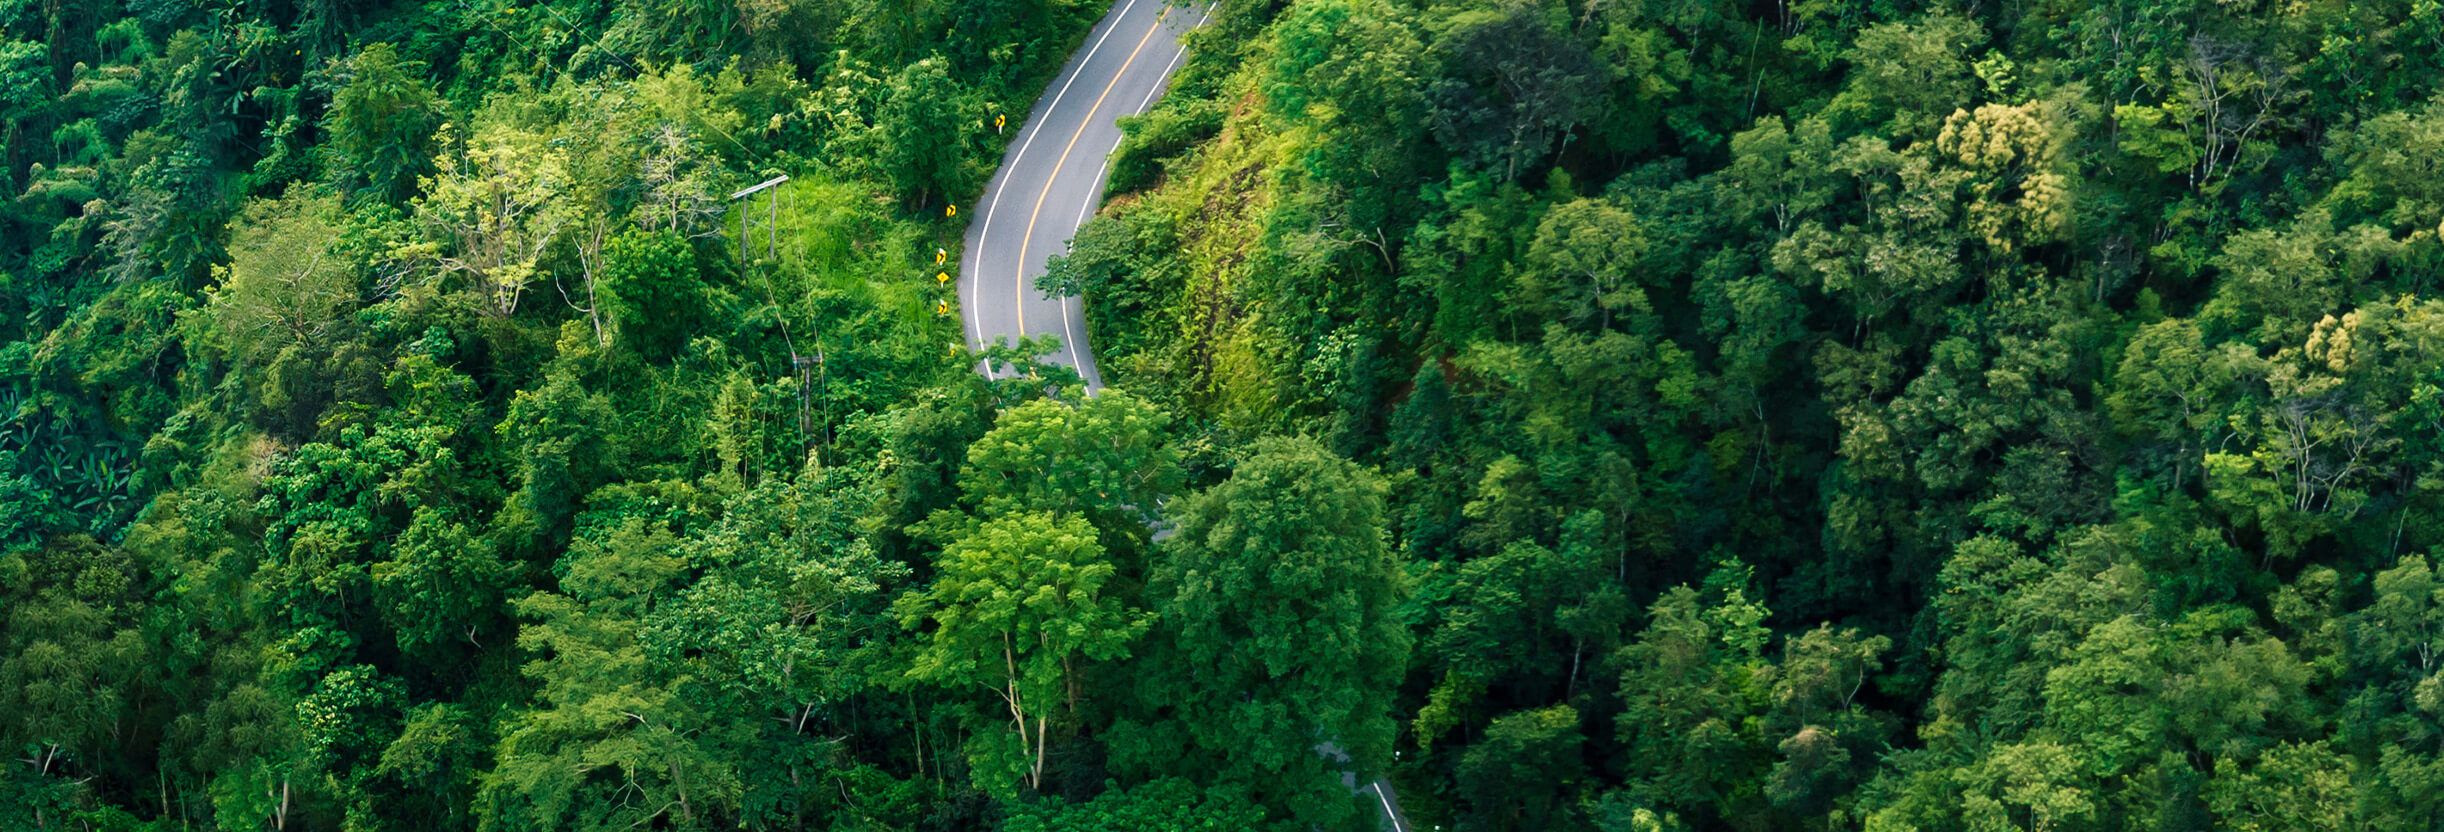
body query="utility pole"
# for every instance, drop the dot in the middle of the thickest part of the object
(772, 227)
(799, 365)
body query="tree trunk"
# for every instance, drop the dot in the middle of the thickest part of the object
(680, 782)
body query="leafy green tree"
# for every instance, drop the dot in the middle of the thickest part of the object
(1779, 171)
(1912, 73)
(1584, 263)
(2292, 786)
(2009, 615)
(1276, 597)
(349, 716)
(2403, 694)
(382, 120)
(927, 442)
(441, 586)
(2277, 281)
(436, 758)
(2040, 783)
(2109, 697)
(1524, 771)
(1123, 262)
(282, 305)
(1827, 730)
(1107, 458)
(1524, 624)
(328, 504)
(1475, 226)
(925, 130)
(2390, 178)
(2405, 620)
(252, 751)
(1511, 82)
(783, 634)
(1170, 803)
(1019, 604)
(2170, 386)
(70, 654)
(608, 743)
(1694, 685)
(1344, 69)
(555, 433)
(651, 289)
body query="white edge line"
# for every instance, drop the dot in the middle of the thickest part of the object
(985, 232)
(1387, 806)
(1162, 80)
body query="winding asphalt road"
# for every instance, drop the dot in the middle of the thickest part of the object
(1051, 181)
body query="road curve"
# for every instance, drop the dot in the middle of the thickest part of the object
(1051, 179)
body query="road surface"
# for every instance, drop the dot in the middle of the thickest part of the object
(1050, 181)
(1052, 178)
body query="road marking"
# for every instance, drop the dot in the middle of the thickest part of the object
(1387, 807)
(1163, 78)
(1090, 205)
(1160, 81)
(1009, 169)
(1027, 239)
(1095, 186)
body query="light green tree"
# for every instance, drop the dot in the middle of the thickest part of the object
(1584, 263)
(496, 202)
(1107, 458)
(1018, 606)
(2291, 786)
(282, 302)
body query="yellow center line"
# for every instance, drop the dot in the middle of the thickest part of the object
(1019, 292)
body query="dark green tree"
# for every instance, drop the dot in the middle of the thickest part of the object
(1276, 599)
(381, 122)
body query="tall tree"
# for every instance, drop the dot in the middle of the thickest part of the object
(925, 129)
(281, 307)
(1019, 604)
(1276, 597)
(381, 121)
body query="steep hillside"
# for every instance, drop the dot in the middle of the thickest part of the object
(1828, 415)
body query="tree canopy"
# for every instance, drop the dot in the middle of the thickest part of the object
(1542, 414)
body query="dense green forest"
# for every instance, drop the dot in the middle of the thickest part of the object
(1590, 414)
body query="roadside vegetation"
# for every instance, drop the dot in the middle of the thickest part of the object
(1839, 415)
(1623, 416)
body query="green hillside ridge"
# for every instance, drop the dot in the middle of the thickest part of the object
(1586, 415)
(1839, 415)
